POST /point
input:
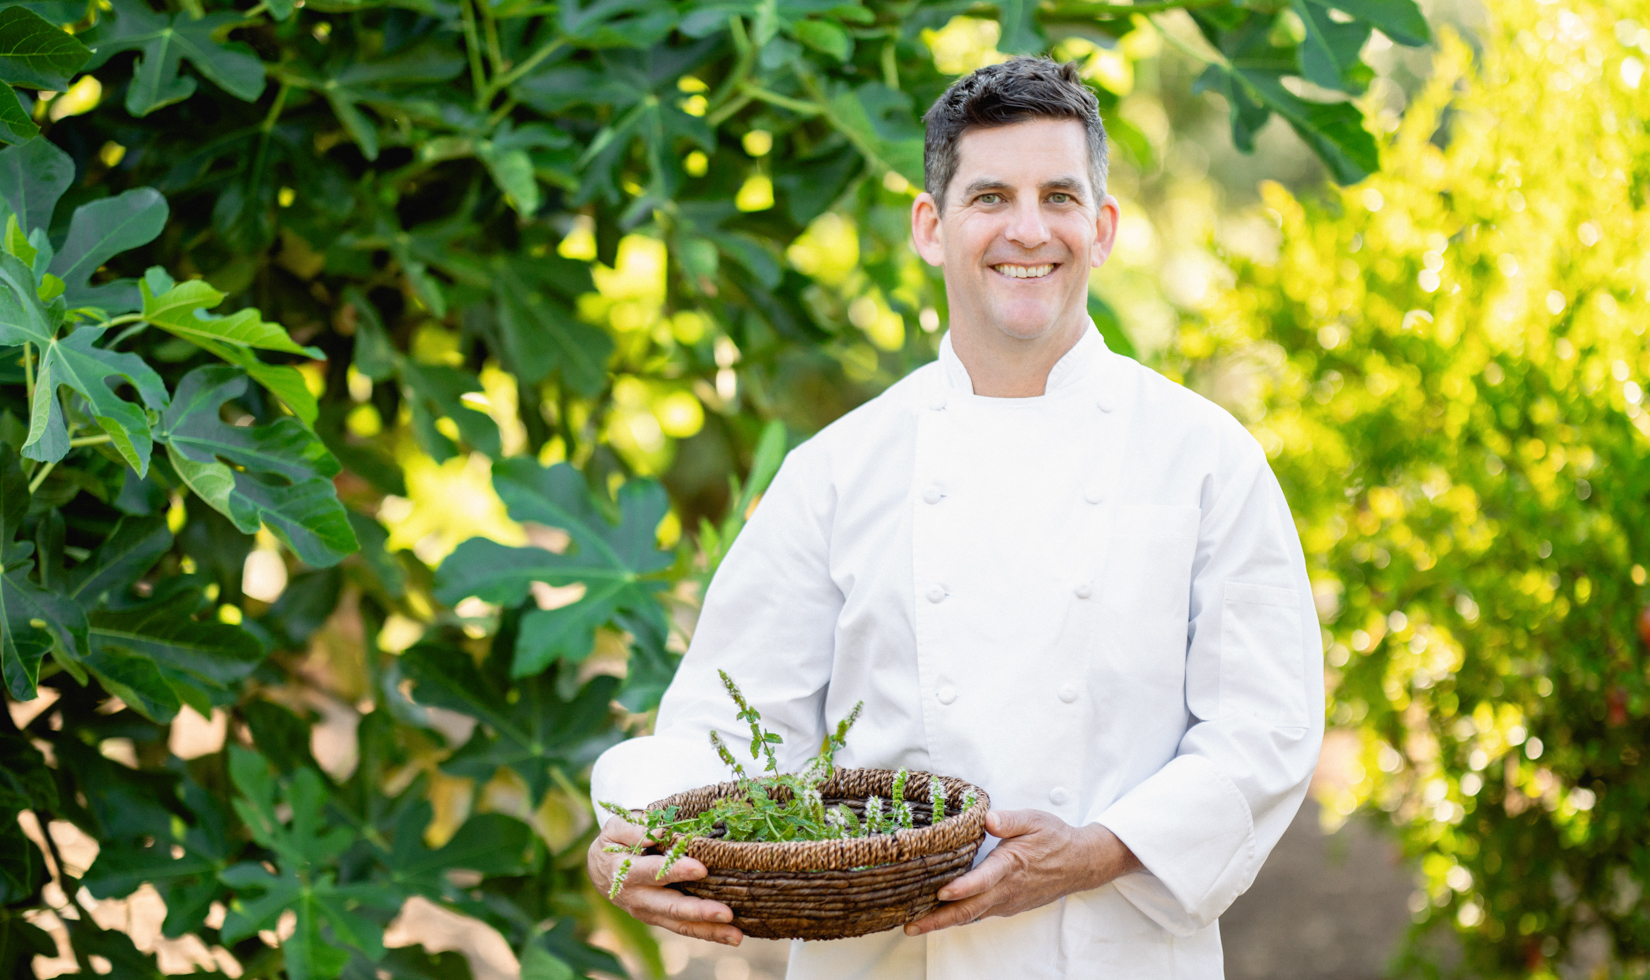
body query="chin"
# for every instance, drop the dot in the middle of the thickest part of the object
(1027, 321)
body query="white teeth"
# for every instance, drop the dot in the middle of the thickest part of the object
(1024, 271)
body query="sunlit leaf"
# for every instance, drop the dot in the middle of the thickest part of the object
(181, 309)
(283, 480)
(71, 361)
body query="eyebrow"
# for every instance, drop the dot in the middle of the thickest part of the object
(985, 185)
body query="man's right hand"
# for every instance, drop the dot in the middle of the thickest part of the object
(646, 897)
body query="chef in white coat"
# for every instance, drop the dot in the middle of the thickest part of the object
(1045, 569)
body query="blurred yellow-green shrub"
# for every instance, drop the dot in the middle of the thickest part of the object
(1452, 358)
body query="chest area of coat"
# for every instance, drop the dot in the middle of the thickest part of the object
(1011, 497)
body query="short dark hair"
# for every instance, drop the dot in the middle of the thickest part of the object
(998, 95)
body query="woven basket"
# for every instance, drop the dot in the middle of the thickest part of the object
(835, 889)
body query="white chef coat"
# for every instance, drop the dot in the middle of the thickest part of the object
(1092, 602)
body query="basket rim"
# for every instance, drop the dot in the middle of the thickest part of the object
(954, 833)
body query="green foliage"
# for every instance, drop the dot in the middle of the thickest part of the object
(360, 365)
(1455, 409)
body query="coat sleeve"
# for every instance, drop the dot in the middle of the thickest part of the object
(769, 621)
(1203, 824)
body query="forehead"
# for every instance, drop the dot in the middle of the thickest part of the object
(1023, 153)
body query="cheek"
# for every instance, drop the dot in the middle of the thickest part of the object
(971, 236)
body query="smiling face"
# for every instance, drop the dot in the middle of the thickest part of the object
(1021, 229)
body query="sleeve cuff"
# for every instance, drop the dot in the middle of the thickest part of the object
(645, 770)
(1192, 829)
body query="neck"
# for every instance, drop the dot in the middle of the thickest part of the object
(1001, 366)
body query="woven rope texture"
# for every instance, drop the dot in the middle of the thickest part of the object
(838, 888)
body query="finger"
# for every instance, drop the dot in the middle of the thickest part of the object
(621, 831)
(726, 935)
(672, 905)
(982, 878)
(685, 869)
(1013, 823)
(644, 870)
(711, 931)
(953, 914)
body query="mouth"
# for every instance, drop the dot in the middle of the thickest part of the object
(1026, 271)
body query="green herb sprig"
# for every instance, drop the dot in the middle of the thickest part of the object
(777, 807)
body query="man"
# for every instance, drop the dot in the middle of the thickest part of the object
(1045, 569)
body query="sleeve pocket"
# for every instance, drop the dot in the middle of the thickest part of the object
(1262, 672)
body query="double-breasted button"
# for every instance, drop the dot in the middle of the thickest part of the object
(946, 694)
(935, 593)
(1058, 796)
(1068, 694)
(1093, 494)
(936, 401)
(1103, 403)
(932, 495)
(1082, 590)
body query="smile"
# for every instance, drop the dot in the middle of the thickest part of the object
(1024, 271)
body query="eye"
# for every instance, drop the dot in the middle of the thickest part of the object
(989, 198)
(1059, 197)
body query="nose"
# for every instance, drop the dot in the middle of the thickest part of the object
(1026, 227)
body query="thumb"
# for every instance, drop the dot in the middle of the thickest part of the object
(1011, 823)
(622, 831)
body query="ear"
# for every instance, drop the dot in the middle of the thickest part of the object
(925, 229)
(1105, 230)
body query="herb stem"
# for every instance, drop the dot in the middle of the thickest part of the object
(96, 440)
(495, 51)
(274, 114)
(784, 101)
(729, 89)
(472, 47)
(515, 74)
(130, 331)
(28, 370)
(264, 130)
(499, 113)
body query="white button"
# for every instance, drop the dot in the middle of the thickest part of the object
(1103, 403)
(1083, 590)
(936, 401)
(1093, 494)
(1068, 694)
(1058, 796)
(932, 495)
(936, 593)
(947, 694)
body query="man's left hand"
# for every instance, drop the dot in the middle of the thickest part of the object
(1041, 858)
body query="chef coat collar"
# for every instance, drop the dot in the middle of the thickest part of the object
(1087, 358)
